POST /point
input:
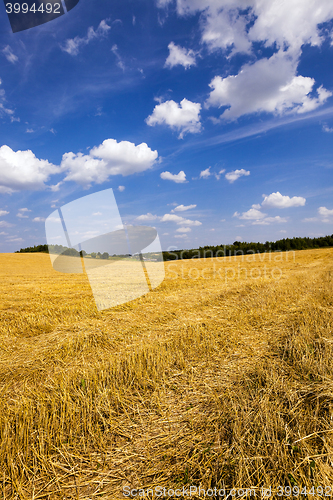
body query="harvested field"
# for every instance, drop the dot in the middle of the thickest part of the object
(221, 377)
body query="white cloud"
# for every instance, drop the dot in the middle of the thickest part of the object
(224, 23)
(252, 214)
(326, 214)
(5, 224)
(24, 210)
(219, 174)
(327, 129)
(147, 216)
(3, 212)
(277, 200)
(72, 46)
(256, 217)
(55, 187)
(183, 208)
(172, 218)
(267, 220)
(226, 30)
(188, 222)
(21, 170)
(10, 56)
(5, 110)
(178, 178)
(268, 85)
(184, 236)
(180, 220)
(310, 219)
(29, 131)
(121, 188)
(22, 216)
(325, 211)
(204, 174)
(236, 174)
(14, 239)
(179, 56)
(120, 62)
(38, 219)
(184, 117)
(184, 230)
(110, 158)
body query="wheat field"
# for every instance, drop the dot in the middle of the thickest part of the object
(220, 378)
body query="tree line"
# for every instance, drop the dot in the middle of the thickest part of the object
(243, 248)
(59, 249)
(237, 248)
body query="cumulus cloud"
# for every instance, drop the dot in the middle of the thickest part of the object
(326, 214)
(183, 208)
(328, 129)
(72, 45)
(172, 218)
(252, 214)
(277, 200)
(184, 117)
(179, 56)
(236, 174)
(108, 159)
(21, 170)
(178, 178)
(225, 23)
(267, 220)
(256, 217)
(147, 216)
(121, 188)
(268, 85)
(183, 230)
(180, 220)
(21, 215)
(3, 212)
(325, 211)
(38, 219)
(9, 55)
(204, 174)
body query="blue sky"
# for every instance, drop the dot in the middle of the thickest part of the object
(212, 120)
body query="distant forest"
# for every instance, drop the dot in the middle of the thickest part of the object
(237, 248)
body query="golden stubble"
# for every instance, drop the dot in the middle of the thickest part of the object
(220, 377)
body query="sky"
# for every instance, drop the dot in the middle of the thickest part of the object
(211, 120)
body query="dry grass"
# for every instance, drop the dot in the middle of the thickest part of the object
(213, 379)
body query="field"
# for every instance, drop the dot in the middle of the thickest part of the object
(221, 377)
